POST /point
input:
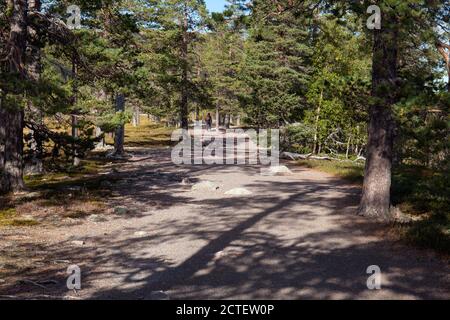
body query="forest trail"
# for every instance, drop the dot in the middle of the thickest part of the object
(296, 237)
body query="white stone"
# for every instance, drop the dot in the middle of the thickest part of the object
(140, 233)
(280, 170)
(78, 243)
(239, 192)
(205, 186)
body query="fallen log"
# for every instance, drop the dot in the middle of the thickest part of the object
(310, 156)
(297, 156)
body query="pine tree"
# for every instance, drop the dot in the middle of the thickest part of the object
(181, 20)
(399, 24)
(275, 69)
(221, 56)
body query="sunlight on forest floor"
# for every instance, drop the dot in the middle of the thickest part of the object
(418, 192)
(421, 194)
(147, 134)
(353, 172)
(85, 188)
(56, 195)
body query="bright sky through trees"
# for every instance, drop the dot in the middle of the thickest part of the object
(215, 5)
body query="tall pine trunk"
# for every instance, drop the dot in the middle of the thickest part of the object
(375, 200)
(12, 115)
(184, 108)
(3, 115)
(13, 170)
(33, 57)
(119, 136)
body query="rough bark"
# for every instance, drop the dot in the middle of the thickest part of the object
(33, 61)
(184, 108)
(14, 152)
(12, 124)
(119, 136)
(2, 136)
(375, 200)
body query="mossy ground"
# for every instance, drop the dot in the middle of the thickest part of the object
(10, 217)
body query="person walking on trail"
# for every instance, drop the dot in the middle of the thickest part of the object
(208, 122)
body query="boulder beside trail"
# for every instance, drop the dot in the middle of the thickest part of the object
(279, 171)
(239, 192)
(140, 234)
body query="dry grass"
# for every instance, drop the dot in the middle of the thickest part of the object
(12, 218)
(148, 134)
(351, 171)
(75, 193)
(72, 194)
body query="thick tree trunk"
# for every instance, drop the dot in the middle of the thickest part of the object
(14, 152)
(33, 61)
(119, 137)
(12, 116)
(375, 200)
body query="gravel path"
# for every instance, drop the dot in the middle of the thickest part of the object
(294, 237)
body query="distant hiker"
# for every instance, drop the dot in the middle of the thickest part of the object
(208, 122)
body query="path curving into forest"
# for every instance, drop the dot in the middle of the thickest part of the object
(295, 237)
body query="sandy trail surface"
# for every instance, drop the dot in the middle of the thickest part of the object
(294, 237)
